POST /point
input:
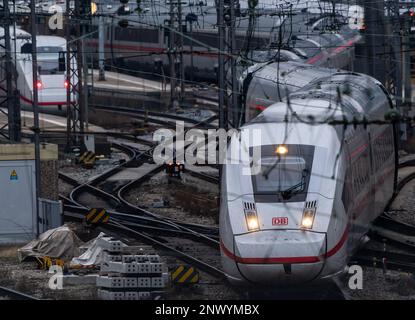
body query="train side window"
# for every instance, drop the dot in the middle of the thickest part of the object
(26, 48)
(347, 191)
(383, 148)
(360, 171)
(62, 64)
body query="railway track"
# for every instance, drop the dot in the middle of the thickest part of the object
(394, 230)
(159, 233)
(207, 102)
(399, 234)
(134, 215)
(119, 135)
(386, 260)
(155, 230)
(178, 248)
(129, 207)
(204, 176)
(158, 117)
(142, 224)
(389, 228)
(11, 294)
(118, 203)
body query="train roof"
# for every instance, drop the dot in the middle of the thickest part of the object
(19, 32)
(341, 95)
(43, 41)
(290, 73)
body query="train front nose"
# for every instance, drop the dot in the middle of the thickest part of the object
(282, 257)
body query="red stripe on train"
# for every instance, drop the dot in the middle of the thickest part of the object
(283, 260)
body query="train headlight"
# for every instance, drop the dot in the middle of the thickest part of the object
(39, 85)
(251, 220)
(308, 218)
(281, 150)
(251, 217)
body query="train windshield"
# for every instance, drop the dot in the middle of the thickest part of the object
(48, 60)
(283, 177)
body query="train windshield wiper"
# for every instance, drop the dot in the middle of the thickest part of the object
(297, 188)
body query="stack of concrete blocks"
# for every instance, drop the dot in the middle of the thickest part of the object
(130, 273)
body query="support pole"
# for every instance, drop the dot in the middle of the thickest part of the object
(172, 55)
(234, 106)
(176, 53)
(221, 66)
(9, 97)
(85, 82)
(74, 75)
(36, 128)
(9, 83)
(180, 49)
(191, 54)
(101, 46)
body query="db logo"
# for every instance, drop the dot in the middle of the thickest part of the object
(280, 221)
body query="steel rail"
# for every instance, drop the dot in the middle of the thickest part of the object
(76, 213)
(196, 229)
(152, 115)
(199, 231)
(212, 270)
(15, 295)
(168, 227)
(203, 176)
(125, 217)
(125, 228)
(389, 228)
(90, 185)
(386, 259)
(132, 216)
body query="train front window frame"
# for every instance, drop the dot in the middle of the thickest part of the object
(293, 186)
(48, 60)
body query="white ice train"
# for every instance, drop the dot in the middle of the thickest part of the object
(52, 80)
(318, 187)
(305, 36)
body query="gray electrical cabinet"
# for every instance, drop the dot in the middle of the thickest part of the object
(17, 201)
(18, 216)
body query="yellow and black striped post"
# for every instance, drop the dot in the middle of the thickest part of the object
(88, 158)
(185, 275)
(85, 155)
(97, 216)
